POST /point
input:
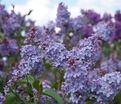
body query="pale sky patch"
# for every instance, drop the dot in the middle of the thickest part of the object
(46, 10)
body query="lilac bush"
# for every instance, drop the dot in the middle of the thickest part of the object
(69, 61)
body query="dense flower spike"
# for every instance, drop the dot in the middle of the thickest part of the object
(107, 87)
(63, 15)
(111, 65)
(106, 17)
(56, 53)
(31, 59)
(3, 15)
(13, 24)
(47, 99)
(1, 98)
(105, 30)
(81, 61)
(8, 46)
(117, 34)
(118, 16)
(92, 16)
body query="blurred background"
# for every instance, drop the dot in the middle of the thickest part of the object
(45, 10)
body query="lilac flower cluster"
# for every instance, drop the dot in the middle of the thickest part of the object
(63, 15)
(8, 46)
(91, 16)
(107, 87)
(3, 14)
(56, 54)
(11, 23)
(105, 30)
(1, 98)
(77, 84)
(47, 99)
(111, 65)
(30, 60)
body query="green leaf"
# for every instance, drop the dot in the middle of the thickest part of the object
(47, 65)
(1, 85)
(90, 102)
(10, 99)
(54, 95)
(117, 99)
(30, 79)
(1, 36)
(36, 84)
(106, 50)
(23, 81)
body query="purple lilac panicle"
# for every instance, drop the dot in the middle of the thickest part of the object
(3, 15)
(56, 53)
(63, 15)
(1, 98)
(30, 60)
(80, 62)
(105, 30)
(107, 87)
(13, 24)
(8, 47)
(92, 16)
